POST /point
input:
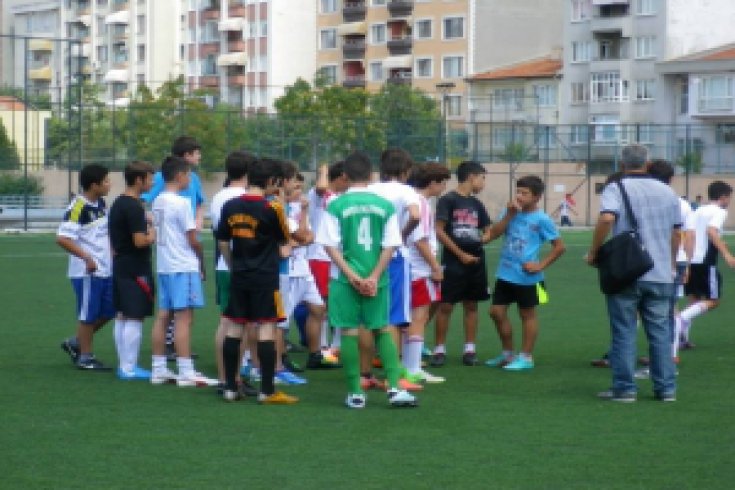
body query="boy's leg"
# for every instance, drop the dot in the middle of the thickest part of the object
(415, 335)
(389, 355)
(266, 349)
(182, 340)
(367, 351)
(350, 355)
(443, 314)
(219, 341)
(231, 346)
(470, 325)
(499, 314)
(529, 320)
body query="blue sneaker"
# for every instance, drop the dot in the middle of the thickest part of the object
(137, 374)
(289, 378)
(500, 361)
(519, 364)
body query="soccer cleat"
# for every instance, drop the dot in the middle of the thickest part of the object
(665, 397)
(289, 378)
(430, 378)
(401, 398)
(137, 373)
(500, 361)
(519, 364)
(318, 361)
(329, 356)
(438, 359)
(469, 359)
(291, 366)
(372, 383)
(71, 347)
(231, 396)
(602, 362)
(162, 377)
(355, 400)
(406, 385)
(426, 352)
(92, 365)
(617, 397)
(277, 398)
(195, 379)
(687, 345)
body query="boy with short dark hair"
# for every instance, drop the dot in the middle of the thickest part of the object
(360, 233)
(180, 267)
(83, 234)
(463, 227)
(520, 273)
(250, 232)
(131, 237)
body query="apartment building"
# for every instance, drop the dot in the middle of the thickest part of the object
(366, 43)
(247, 51)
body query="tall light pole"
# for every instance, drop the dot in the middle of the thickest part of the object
(444, 88)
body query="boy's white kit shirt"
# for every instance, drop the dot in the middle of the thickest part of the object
(298, 263)
(687, 220)
(173, 219)
(317, 210)
(215, 211)
(401, 196)
(709, 215)
(425, 230)
(93, 236)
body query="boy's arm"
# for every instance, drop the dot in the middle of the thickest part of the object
(557, 250)
(717, 241)
(437, 273)
(603, 227)
(414, 218)
(453, 248)
(199, 217)
(335, 254)
(71, 247)
(225, 252)
(371, 282)
(498, 229)
(196, 246)
(322, 180)
(144, 239)
(155, 190)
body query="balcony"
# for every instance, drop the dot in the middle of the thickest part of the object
(118, 5)
(237, 80)
(237, 10)
(622, 24)
(211, 81)
(353, 48)
(232, 59)
(237, 45)
(40, 45)
(43, 73)
(232, 24)
(354, 81)
(354, 10)
(400, 77)
(400, 8)
(401, 44)
(116, 76)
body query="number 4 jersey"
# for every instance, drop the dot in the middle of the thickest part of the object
(361, 224)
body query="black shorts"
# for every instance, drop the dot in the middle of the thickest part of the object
(254, 305)
(133, 295)
(507, 293)
(705, 282)
(464, 283)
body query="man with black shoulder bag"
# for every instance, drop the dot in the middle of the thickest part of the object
(637, 269)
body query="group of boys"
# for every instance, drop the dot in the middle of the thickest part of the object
(363, 252)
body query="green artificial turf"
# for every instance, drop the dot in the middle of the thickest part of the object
(483, 428)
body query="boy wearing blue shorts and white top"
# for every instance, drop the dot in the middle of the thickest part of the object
(520, 273)
(180, 268)
(83, 234)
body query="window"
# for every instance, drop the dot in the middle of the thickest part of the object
(606, 129)
(716, 94)
(644, 133)
(644, 89)
(581, 51)
(329, 73)
(102, 3)
(378, 2)
(328, 39)
(454, 105)
(252, 29)
(508, 99)
(328, 6)
(141, 24)
(684, 96)
(545, 95)
(579, 134)
(192, 35)
(102, 54)
(645, 7)
(377, 34)
(262, 62)
(209, 67)
(453, 67)
(645, 47)
(502, 137)
(540, 137)
(141, 53)
(423, 29)
(210, 33)
(608, 87)
(581, 10)
(424, 67)
(101, 26)
(263, 28)
(453, 27)
(376, 71)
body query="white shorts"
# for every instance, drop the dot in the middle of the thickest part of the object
(295, 290)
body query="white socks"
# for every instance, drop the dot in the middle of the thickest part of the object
(186, 367)
(128, 335)
(337, 339)
(412, 349)
(693, 311)
(323, 340)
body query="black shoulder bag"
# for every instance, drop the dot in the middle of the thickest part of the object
(623, 259)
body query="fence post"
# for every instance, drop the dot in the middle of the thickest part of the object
(547, 144)
(25, 136)
(588, 214)
(687, 158)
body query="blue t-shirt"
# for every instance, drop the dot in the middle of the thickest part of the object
(193, 193)
(524, 236)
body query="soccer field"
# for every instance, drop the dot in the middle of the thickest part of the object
(483, 428)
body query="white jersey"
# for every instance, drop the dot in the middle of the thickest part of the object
(425, 230)
(173, 218)
(317, 210)
(709, 215)
(564, 208)
(298, 264)
(215, 211)
(86, 224)
(401, 196)
(687, 220)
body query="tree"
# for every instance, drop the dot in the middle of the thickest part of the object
(9, 159)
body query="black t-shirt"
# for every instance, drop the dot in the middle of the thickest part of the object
(126, 217)
(255, 228)
(465, 218)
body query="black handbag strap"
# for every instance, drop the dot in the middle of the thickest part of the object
(628, 208)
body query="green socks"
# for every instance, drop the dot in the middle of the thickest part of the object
(389, 356)
(350, 356)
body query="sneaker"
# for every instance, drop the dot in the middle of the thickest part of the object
(687, 345)
(401, 398)
(372, 383)
(406, 385)
(619, 397)
(247, 389)
(277, 398)
(355, 400)
(328, 356)
(195, 379)
(289, 378)
(500, 361)
(426, 353)
(318, 361)
(136, 374)
(291, 366)
(71, 347)
(469, 359)
(162, 377)
(665, 397)
(644, 361)
(642, 373)
(92, 365)
(602, 362)
(438, 359)
(170, 353)
(425, 377)
(231, 396)
(519, 364)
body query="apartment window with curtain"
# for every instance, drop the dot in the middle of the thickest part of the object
(645, 89)
(423, 29)
(645, 7)
(453, 67)
(645, 47)
(376, 71)
(328, 39)
(581, 10)
(453, 27)
(545, 95)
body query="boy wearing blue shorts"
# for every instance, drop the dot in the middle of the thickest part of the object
(520, 273)
(180, 268)
(83, 234)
